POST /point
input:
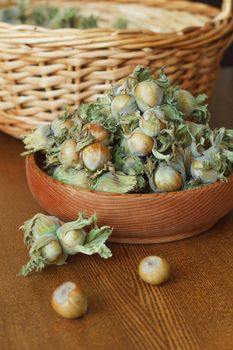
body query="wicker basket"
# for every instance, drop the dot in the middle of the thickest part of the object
(41, 69)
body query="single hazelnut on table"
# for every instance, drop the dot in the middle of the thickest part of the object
(154, 270)
(69, 301)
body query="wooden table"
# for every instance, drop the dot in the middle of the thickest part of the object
(194, 310)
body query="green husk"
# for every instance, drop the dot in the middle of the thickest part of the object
(229, 134)
(116, 183)
(198, 134)
(47, 16)
(150, 167)
(171, 113)
(120, 23)
(178, 163)
(141, 183)
(94, 240)
(161, 156)
(209, 171)
(163, 81)
(87, 22)
(128, 164)
(37, 262)
(15, 14)
(60, 131)
(42, 230)
(201, 114)
(100, 112)
(153, 121)
(52, 156)
(38, 232)
(39, 140)
(142, 73)
(39, 226)
(216, 158)
(129, 122)
(43, 15)
(228, 154)
(132, 165)
(164, 145)
(72, 176)
(192, 184)
(200, 99)
(84, 141)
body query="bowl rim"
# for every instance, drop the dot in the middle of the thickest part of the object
(30, 160)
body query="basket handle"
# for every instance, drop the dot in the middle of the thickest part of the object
(226, 11)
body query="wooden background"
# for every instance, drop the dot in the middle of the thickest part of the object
(228, 58)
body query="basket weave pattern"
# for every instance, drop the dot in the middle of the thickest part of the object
(41, 70)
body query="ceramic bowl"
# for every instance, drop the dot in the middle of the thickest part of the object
(136, 218)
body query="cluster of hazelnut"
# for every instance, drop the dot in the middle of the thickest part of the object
(145, 136)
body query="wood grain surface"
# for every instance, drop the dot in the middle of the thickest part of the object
(192, 311)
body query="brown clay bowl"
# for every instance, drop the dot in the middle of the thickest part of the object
(136, 218)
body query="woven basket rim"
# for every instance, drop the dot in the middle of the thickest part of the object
(42, 69)
(31, 35)
(69, 31)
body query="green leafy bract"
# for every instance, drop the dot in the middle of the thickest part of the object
(72, 176)
(116, 183)
(41, 230)
(100, 112)
(39, 226)
(38, 233)
(120, 23)
(48, 16)
(142, 73)
(39, 140)
(171, 113)
(163, 81)
(94, 240)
